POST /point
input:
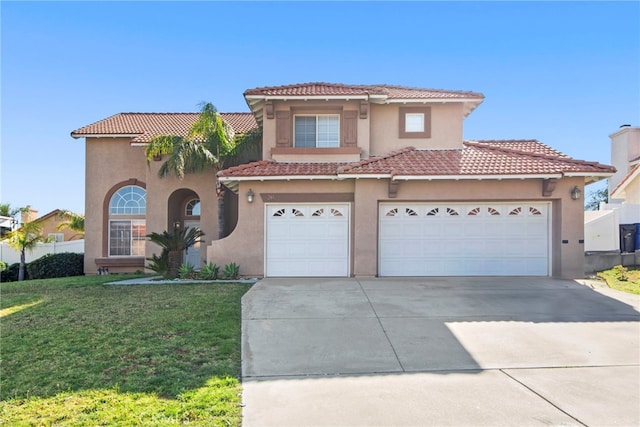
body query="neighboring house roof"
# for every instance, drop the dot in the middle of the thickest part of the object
(142, 127)
(477, 160)
(378, 94)
(619, 191)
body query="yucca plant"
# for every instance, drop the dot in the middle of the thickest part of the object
(173, 245)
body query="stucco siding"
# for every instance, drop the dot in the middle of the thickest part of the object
(245, 245)
(446, 129)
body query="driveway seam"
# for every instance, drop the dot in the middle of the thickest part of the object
(543, 398)
(384, 331)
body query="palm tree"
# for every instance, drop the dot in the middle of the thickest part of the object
(211, 143)
(23, 239)
(73, 221)
(173, 244)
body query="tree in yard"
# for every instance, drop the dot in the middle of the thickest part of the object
(73, 221)
(24, 239)
(595, 198)
(172, 244)
(210, 144)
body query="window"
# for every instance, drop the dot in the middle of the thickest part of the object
(129, 200)
(415, 122)
(127, 237)
(321, 130)
(55, 237)
(193, 208)
(127, 230)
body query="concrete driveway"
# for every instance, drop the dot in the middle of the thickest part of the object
(439, 351)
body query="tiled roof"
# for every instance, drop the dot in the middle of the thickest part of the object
(477, 158)
(272, 168)
(618, 191)
(144, 126)
(336, 89)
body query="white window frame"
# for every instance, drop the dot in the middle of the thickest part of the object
(334, 144)
(56, 237)
(414, 122)
(132, 237)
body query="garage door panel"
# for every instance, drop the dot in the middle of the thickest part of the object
(465, 239)
(307, 240)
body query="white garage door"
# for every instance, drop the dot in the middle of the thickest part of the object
(305, 240)
(473, 239)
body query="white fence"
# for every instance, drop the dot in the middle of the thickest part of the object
(11, 256)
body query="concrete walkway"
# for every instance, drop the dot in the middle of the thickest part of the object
(439, 351)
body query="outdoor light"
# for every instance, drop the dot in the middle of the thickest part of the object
(575, 193)
(176, 225)
(250, 196)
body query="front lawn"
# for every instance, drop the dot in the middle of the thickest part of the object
(78, 352)
(622, 279)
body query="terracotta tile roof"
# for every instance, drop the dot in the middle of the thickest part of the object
(477, 158)
(272, 168)
(337, 89)
(144, 126)
(618, 191)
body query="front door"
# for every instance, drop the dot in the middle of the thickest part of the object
(192, 255)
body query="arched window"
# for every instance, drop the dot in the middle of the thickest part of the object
(193, 208)
(127, 225)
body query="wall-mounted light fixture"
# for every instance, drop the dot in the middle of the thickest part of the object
(575, 193)
(176, 225)
(250, 196)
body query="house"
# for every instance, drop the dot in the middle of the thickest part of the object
(124, 198)
(51, 230)
(354, 180)
(615, 227)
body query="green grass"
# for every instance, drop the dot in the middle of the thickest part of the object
(631, 285)
(77, 352)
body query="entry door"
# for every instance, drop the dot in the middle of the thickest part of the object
(307, 240)
(192, 255)
(471, 239)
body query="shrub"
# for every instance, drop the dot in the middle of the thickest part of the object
(64, 264)
(231, 271)
(3, 266)
(621, 273)
(11, 273)
(187, 271)
(209, 272)
(159, 264)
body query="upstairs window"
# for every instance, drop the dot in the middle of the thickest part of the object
(317, 131)
(415, 122)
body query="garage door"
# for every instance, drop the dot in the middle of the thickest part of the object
(304, 240)
(476, 239)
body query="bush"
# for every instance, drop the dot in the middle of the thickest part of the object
(56, 265)
(231, 271)
(210, 271)
(11, 273)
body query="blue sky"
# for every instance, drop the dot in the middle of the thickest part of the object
(565, 73)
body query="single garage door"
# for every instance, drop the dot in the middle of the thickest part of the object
(306, 240)
(471, 239)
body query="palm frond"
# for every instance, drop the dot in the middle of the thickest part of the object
(161, 145)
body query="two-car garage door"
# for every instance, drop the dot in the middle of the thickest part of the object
(471, 239)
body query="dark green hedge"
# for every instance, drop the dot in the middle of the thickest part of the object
(56, 265)
(11, 273)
